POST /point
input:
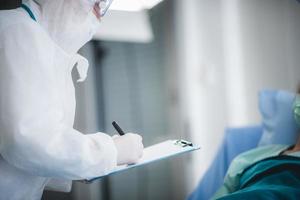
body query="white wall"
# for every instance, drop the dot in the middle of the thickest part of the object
(200, 53)
(228, 50)
(270, 31)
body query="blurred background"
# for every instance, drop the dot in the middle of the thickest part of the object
(169, 69)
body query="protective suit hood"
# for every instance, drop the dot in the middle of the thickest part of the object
(70, 23)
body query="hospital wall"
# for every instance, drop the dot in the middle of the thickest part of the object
(228, 51)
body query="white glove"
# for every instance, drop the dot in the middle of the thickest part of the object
(129, 147)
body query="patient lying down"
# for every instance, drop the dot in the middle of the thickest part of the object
(269, 172)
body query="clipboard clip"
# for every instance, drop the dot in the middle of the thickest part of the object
(183, 143)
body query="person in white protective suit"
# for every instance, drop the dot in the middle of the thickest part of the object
(38, 145)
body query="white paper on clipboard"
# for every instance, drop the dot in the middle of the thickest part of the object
(157, 152)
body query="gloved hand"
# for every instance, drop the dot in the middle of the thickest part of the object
(129, 147)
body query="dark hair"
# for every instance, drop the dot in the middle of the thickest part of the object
(10, 4)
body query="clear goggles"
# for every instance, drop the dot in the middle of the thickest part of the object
(104, 6)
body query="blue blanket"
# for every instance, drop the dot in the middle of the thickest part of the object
(272, 178)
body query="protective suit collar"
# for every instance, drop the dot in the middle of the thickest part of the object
(82, 66)
(79, 61)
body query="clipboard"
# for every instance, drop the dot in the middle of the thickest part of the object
(155, 153)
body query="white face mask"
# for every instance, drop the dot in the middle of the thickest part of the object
(70, 23)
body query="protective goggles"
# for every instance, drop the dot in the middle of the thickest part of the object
(104, 6)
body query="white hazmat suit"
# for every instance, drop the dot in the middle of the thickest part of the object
(37, 101)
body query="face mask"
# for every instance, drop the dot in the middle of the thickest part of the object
(297, 110)
(69, 23)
